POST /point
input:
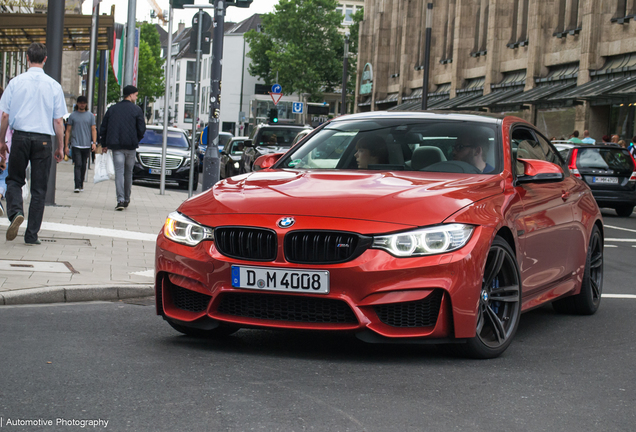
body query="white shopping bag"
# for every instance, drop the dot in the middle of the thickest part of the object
(101, 170)
(110, 166)
(26, 189)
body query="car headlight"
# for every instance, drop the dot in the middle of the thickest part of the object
(181, 229)
(425, 241)
(236, 165)
(187, 162)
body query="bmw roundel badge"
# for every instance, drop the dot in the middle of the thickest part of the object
(286, 222)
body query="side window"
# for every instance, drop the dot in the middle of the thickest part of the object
(551, 154)
(524, 146)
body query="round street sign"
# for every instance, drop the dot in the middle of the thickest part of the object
(276, 88)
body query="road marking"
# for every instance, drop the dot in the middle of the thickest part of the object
(614, 246)
(619, 296)
(620, 240)
(147, 273)
(620, 228)
(102, 232)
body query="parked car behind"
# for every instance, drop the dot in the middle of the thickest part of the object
(610, 171)
(224, 139)
(269, 139)
(148, 164)
(231, 157)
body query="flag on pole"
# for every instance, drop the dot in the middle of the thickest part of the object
(136, 58)
(117, 53)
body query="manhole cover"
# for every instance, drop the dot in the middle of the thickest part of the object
(66, 241)
(37, 266)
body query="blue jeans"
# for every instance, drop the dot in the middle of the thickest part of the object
(124, 161)
(3, 177)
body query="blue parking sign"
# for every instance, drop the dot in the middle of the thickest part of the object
(298, 108)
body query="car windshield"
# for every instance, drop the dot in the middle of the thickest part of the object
(616, 159)
(402, 145)
(273, 136)
(155, 138)
(237, 147)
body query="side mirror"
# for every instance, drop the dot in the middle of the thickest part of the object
(266, 161)
(540, 171)
(248, 143)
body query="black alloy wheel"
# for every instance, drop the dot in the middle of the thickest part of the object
(589, 299)
(499, 304)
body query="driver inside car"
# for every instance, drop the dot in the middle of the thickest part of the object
(472, 149)
(371, 150)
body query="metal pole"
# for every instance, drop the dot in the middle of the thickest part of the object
(129, 63)
(101, 87)
(164, 146)
(345, 65)
(195, 115)
(4, 69)
(90, 89)
(211, 159)
(427, 54)
(53, 68)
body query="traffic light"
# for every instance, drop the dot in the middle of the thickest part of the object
(237, 3)
(178, 4)
(273, 115)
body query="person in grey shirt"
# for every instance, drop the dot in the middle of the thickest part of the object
(82, 134)
(33, 106)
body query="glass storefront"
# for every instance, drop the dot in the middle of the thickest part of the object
(556, 122)
(622, 120)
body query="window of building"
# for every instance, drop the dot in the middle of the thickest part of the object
(449, 34)
(178, 76)
(481, 30)
(189, 96)
(348, 19)
(176, 93)
(188, 113)
(519, 36)
(191, 71)
(568, 20)
(623, 13)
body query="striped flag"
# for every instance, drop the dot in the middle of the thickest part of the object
(136, 58)
(117, 53)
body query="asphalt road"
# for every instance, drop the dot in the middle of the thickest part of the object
(120, 362)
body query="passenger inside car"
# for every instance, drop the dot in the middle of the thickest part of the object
(473, 149)
(371, 150)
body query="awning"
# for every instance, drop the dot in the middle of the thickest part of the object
(490, 99)
(415, 94)
(594, 89)
(391, 97)
(457, 100)
(366, 102)
(411, 105)
(628, 90)
(538, 93)
(18, 31)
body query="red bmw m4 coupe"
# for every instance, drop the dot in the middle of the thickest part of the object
(428, 227)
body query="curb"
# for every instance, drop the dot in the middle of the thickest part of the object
(79, 293)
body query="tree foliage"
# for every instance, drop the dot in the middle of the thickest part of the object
(150, 81)
(299, 41)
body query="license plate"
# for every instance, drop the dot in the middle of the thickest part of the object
(605, 180)
(158, 171)
(271, 279)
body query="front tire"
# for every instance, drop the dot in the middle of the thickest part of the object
(499, 304)
(589, 299)
(624, 211)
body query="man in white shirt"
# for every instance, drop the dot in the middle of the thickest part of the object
(33, 106)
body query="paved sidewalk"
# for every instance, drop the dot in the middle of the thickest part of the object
(89, 251)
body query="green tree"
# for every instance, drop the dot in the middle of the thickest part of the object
(299, 41)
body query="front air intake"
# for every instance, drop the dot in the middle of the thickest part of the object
(324, 247)
(420, 313)
(253, 244)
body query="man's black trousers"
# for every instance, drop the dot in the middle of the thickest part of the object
(80, 159)
(35, 148)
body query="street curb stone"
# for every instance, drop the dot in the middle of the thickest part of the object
(80, 293)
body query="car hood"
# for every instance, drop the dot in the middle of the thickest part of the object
(174, 151)
(415, 199)
(262, 150)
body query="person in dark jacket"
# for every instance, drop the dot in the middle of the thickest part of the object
(122, 128)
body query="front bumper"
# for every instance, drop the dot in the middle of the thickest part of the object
(423, 297)
(177, 175)
(612, 198)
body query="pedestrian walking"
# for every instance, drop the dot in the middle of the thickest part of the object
(3, 166)
(615, 139)
(82, 135)
(121, 129)
(33, 106)
(586, 138)
(632, 147)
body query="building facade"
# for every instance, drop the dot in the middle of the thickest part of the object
(560, 64)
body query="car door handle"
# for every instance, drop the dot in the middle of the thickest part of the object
(565, 195)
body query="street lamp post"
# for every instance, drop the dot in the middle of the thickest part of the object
(427, 55)
(345, 65)
(168, 67)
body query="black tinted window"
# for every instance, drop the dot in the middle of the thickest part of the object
(155, 137)
(273, 136)
(605, 159)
